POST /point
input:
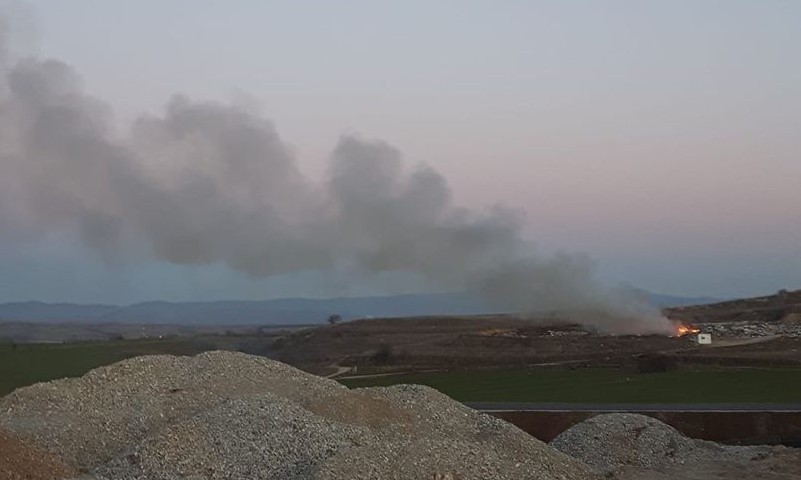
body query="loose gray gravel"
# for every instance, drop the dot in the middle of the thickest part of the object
(611, 442)
(223, 415)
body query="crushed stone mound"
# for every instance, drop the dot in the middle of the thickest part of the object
(21, 460)
(230, 415)
(614, 441)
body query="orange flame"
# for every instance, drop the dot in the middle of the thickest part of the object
(682, 330)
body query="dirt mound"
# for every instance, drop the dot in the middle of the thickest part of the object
(614, 441)
(228, 415)
(20, 459)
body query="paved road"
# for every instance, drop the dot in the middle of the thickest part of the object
(634, 407)
(390, 374)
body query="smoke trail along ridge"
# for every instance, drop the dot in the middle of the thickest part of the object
(206, 182)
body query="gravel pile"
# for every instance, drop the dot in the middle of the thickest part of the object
(613, 441)
(21, 460)
(228, 415)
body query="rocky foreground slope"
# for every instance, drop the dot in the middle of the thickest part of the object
(223, 415)
(229, 415)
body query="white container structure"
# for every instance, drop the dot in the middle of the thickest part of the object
(704, 339)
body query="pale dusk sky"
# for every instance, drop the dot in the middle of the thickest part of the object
(662, 138)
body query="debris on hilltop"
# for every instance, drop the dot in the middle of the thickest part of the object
(753, 329)
(223, 415)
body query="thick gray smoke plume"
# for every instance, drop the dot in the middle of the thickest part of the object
(206, 182)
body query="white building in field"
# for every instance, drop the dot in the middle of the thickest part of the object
(704, 339)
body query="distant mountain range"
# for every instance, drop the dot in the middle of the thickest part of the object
(290, 311)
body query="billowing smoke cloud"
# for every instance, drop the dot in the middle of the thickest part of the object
(206, 182)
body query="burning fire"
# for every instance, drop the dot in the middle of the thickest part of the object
(682, 330)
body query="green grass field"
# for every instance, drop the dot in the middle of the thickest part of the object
(608, 385)
(30, 363)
